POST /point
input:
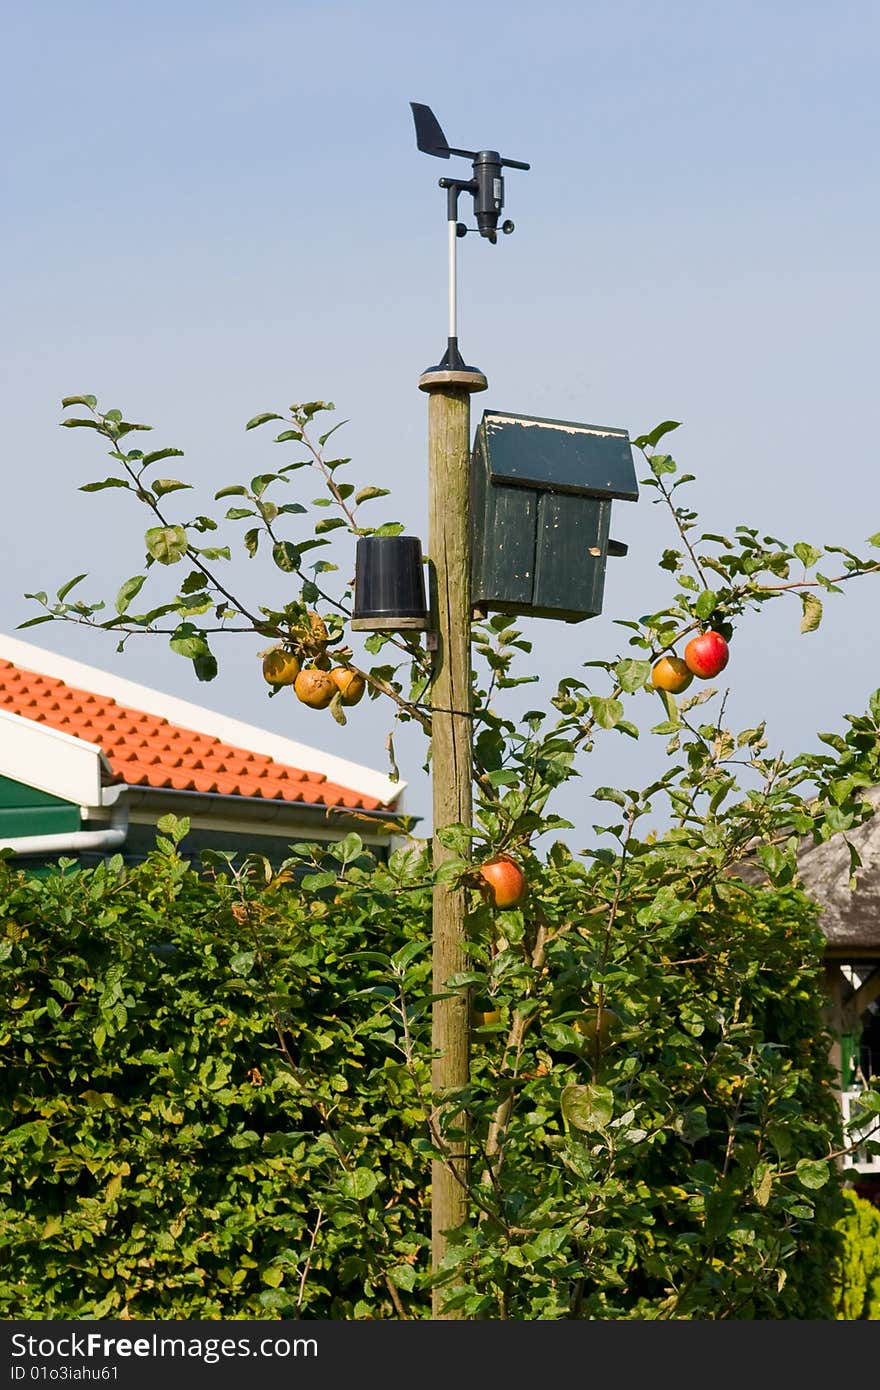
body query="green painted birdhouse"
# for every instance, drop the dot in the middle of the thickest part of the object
(540, 499)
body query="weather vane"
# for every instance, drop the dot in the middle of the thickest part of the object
(487, 189)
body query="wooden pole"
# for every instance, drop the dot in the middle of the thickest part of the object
(451, 759)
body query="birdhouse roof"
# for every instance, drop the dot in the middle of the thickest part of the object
(559, 455)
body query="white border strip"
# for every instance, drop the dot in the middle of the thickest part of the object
(57, 763)
(352, 776)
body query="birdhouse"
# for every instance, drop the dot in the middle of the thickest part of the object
(540, 499)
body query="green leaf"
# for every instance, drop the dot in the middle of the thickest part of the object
(373, 957)
(107, 482)
(692, 1124)
(669, 703)
(626, 727)
(650, 441)
(812, 612)
(359, 1184)
(82, 424)
(330, 523)
(312, 882)
(351, 847)
(631, 675)
(129, 590)
(286, 556)
(762, 1183)
(286, 435)
(504, 777)
(322, 439)
(191, 645)
(126, 427)
(194, 581)
(367, 492)
(158, 454)
(235, 491)
(662, 463)
(666, 907)
(563, 1038)
(807, 554)
(161, 486)
(33, 622)
(403, 1277)
(610, 794)
(875, 540)
(774, 861)
(587, 1107)
(706, 604)
(261, 420)
(262, 481)
(205, 665)
(243, 963)
(606, 711)
(812, 1173)
(167, 544)
(90, 401)
(403, 958)
(71, 583)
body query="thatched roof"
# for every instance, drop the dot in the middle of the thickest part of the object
(850, 918)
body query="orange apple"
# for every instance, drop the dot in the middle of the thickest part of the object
(280, 667)
(672, 674)
(589, 1026)
(350, 685)
(314, 688)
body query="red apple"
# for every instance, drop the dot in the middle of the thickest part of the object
(706, 654)
(504, 883)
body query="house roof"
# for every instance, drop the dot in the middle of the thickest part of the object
(153, 740)
(850, 917)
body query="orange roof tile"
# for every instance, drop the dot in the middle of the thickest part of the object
(146, 750)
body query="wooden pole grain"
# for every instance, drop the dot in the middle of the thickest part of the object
(451, 767)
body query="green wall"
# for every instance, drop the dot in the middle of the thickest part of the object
(27, 811)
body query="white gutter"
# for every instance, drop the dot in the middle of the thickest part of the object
(95, 840)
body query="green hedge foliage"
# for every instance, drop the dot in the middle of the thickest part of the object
(857, 1288)
(211, 1107)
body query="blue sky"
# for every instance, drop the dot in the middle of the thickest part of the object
(215, 209)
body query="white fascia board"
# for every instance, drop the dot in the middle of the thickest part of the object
(49, 760)
(287, 827)
(354, 776)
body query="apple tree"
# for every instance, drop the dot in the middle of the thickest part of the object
(650, 1114)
